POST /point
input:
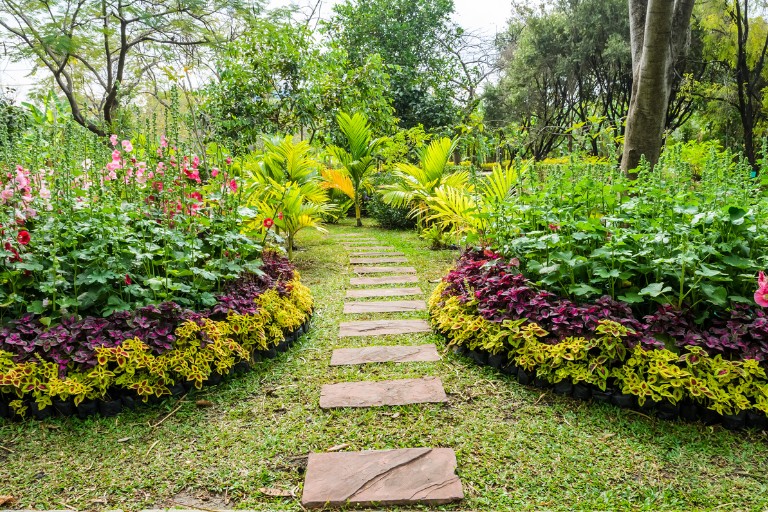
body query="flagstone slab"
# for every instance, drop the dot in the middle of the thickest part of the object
(354, 243)
(390, 354)
(384, 270)
(382, 327)
(372, 248)
(427, 390)
(382, 292)
(408, 476)
(364, 281)
(373, 261)
(384, 306)
(376, 253)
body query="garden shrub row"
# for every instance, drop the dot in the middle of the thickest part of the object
(102, 364)
(598, 349)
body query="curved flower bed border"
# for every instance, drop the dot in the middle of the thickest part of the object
(605, 361)
(198, 350)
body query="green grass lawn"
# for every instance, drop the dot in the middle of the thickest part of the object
(518, 448)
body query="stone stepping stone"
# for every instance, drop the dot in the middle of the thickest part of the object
(373, 261)
(393, 354)
(382, 292)
(384, 270)
(366, 241)
(372, 248)
(376, 253)
(382, 327)
(378, 478)
(428, 390)
(364, 281)
(382, 306)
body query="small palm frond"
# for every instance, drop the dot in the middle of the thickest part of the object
(453, 209)
(435, 157)
(339, 180)
(500, 184)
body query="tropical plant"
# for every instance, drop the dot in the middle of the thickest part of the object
(358, 159)
(285, 186)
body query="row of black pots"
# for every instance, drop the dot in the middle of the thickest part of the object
(121, 399)
(665, 410)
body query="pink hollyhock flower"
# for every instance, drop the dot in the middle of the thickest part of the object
(127, 146)
(196, 162)
(233, 185)
(163, 141)
(6, 194)
(22, 181)
(229, 160)
(196, 195)
(214, 172)
(128, 279)
(554, 227)
(280, 215)
(115, 155)
(761, 295)
(113, 139)
(268, 222)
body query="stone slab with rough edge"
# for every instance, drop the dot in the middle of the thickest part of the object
(410, 476)
(382, 292)
(375, 254)
(384, 306)
(389, 354)
(361, 241)
(373, 261)
(364, 281)
(427, 390)
(384, 270)
(371, 248)
(382, 327)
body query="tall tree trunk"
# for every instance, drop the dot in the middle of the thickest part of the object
(659, 34)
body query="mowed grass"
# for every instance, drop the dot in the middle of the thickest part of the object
(518, 448)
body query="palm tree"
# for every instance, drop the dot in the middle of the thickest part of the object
(285, 186)
(416, 184)
(357, 159)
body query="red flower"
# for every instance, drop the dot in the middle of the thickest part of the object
(280, 215)
(23, 237)
(268, 222)
(128, 279)
(554, 227)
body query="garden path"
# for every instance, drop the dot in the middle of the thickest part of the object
(417, 475)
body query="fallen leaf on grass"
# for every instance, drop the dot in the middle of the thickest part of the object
(337, 447)
(99, 501)
(276, 493)
(204, 403)
(124, 439)
(7, 500)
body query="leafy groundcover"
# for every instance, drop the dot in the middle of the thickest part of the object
(602, 350)
(102, 364)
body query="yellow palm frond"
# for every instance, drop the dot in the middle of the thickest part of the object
(339, 179)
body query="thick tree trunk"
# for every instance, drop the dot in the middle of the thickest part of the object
(659, 34)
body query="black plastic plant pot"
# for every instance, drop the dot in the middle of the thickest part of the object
(480, 358)
(649, 407)
(64, 408)
(283, 346)
(735, 421)
(270, 353)
(510, 369)
(213, 379)
(708, 416)
(666, 410)
(564, 387)
(87, 408)
(497, 360)
(129, 400)
(541, 383)
(110, 407)
(582, 392)
(757, 420)
(688, 411)
(4, 411)
(39, 414)
(523, 377)
(598, 395)
(459, 350)
(177, 389)
(241, 367)
(623, 401)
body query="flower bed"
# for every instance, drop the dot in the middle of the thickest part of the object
(89, 364)
(600, 349)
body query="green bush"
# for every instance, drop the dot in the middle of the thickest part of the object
(386, 215)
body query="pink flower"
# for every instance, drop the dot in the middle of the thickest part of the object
(113, 139)
(6, 194)
(280, 215)
(554, 227)
(115, 155)
(214, 172)
(196, 195)
(163, 141)
(196, 162)
(128, 279)
(233, 185)
(229, 160)
(127, 146)
(23, 237)
(761, 295)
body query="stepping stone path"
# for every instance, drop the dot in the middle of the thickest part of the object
(382, 292)
(410, 476)
(362, 281)
(389, 306)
